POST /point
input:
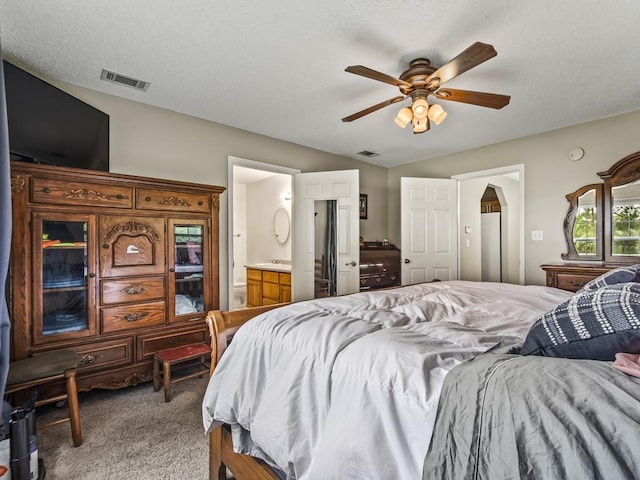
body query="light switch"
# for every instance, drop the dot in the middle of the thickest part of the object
(536, 235)
(467, 230)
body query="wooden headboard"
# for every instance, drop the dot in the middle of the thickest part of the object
(223, 325)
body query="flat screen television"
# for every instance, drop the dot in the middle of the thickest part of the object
(47, 125)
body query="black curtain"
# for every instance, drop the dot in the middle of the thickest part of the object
(5, 233)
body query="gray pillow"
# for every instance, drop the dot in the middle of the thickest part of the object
(595, 324)
(629, 273)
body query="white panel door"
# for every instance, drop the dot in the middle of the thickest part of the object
(429, 229)
(344, 187)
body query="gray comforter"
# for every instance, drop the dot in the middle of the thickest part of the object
(511, 417)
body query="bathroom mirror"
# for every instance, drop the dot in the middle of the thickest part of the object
(282, 225)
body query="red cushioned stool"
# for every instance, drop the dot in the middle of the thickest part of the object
(174, 356)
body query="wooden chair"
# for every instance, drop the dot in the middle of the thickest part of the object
(175, 356)
(46, 369)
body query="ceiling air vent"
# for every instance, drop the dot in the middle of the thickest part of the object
(367, 153)
(124, 80)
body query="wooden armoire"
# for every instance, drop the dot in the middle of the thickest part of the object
(112, 266)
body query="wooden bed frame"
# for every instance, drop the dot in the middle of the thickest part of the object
(222, 327)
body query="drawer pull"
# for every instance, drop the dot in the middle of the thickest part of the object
(134, 317)
(148, 199)
(578, 283)
(133, 290)
(87, 359)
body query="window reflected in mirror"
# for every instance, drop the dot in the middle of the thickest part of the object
(625, 219)
(585, 225)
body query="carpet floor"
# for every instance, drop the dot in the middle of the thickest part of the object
(130, 433)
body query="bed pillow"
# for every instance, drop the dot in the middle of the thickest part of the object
(595, 324)
(629, 273)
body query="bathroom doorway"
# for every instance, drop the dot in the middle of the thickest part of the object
(260, 197)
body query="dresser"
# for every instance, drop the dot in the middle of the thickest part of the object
(114, 267)
(379, 266)
(572, 276)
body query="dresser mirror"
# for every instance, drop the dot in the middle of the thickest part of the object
(583, 224)
(603, 219)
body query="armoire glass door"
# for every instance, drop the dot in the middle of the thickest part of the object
(64, 275)
(188, 246)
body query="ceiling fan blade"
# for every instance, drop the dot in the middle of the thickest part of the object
(373, 74)
(471, 57)
(371, 109)
(491, 100)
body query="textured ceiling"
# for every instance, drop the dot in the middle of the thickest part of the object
(277, 67)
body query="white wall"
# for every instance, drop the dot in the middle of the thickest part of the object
(263, 199)
(549, 176)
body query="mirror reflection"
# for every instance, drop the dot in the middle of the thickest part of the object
(625, 219)
(281, 225)
(325, 248)
(585, 224)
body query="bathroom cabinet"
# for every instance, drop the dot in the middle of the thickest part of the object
(267, 287)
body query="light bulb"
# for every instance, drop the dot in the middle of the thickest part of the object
(436, 114)
(404, 117)
(420, 108)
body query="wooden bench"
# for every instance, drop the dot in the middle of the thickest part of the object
(174, 356)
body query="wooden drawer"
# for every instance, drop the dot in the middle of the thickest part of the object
(77, 193)
(149, 199)
(572, 281)
(271, 290)
(151, 343)
(104, 354)
(285, 294)
(271, 277)
(127, 317)
(131, 290)
(379, 281)
(253, 274)
(285, 279)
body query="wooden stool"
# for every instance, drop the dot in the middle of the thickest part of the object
(47, 368)
(173, 356)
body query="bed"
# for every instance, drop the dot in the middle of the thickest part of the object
(349, 387)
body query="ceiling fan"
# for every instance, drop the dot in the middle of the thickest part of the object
(422, 79)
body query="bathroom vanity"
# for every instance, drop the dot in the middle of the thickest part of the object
(268, 283)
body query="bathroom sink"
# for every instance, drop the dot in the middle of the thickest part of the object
(284, 267)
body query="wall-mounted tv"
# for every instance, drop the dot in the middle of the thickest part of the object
(47, 125)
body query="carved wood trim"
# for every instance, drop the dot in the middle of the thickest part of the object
(18, 183)
(132, 227)
(175, 202)
(85, 194)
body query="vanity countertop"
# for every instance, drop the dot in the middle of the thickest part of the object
(274, 267)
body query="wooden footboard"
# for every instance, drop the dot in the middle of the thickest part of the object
(222, 327)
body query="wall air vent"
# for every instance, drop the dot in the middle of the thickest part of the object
(124, 80)
(367, 153)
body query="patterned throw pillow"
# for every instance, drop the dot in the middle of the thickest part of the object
(595, 325)
(630, 273)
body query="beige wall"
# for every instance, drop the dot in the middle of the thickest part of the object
(154, 142)
(548, 175)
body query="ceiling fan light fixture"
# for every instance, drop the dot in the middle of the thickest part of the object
(419, 125)
(420, 108)
(436, 114)
(404, 117)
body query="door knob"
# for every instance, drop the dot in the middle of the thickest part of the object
(406, 260)
(352, 263)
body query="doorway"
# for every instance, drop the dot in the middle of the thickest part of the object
(491, 234)
(509, 186)
(258, 195)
